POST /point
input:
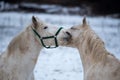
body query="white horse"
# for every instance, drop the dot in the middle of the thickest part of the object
(18, 61)
(98, 63)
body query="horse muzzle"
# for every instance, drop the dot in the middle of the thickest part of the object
(68, 36)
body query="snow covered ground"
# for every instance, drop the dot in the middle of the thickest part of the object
(62, 63)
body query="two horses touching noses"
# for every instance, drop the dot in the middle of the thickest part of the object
(19, 59)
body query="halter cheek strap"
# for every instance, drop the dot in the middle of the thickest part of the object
(48, 37)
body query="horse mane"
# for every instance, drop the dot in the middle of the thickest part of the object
(94, 45)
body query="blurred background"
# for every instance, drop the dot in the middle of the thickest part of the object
(62, 63)
(80, 7)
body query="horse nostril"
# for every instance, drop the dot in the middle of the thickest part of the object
(68, 34)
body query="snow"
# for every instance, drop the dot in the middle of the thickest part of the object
(62, 63)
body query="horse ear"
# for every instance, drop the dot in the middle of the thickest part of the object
(84, 21)
(35, 22)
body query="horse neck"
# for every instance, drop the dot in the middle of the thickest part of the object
(24, 47)
(26, 41)
(91, 49)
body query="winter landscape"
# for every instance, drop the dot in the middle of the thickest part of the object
(62, 63)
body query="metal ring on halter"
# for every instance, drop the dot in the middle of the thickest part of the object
(48, 37)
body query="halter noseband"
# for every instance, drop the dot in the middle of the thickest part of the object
(48, 37)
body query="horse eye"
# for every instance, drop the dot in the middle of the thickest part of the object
(45, 27)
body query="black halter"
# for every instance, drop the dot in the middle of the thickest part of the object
(48, 37)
